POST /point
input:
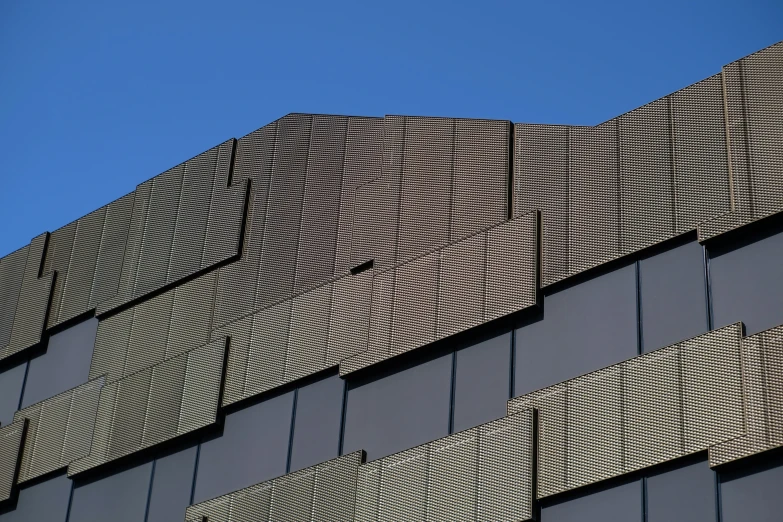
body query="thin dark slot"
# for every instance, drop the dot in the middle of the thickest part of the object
(452, 391)
(195, 474)
(363, 267)
(644, 499)
(232, 161)
(70, 503)
(512, 364)
(718, 503)
(291, 435)
(708, 289)
(639, 325)
(149, 491)
(24, 385)
(342, 418)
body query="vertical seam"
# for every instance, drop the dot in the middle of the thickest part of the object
(673, 156)
(727, 130)
(449, 233)
(341, 440)
(708, 289)
(512, 363)
(195, 474)
(70, 502)
(748, 140)
(452, 391)
(291, 433)
(149, 490)
(639, 323)
(340, 202)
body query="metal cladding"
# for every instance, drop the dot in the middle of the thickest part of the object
(59, 430)
(321, 242)
(326, 491)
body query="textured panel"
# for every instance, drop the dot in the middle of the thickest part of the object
(461, 285)
(284, 210)
(646, 176)
(594, 207)
(321, 202)
(480, 186)
(11, 276)
(482, 474)
(762, 367)
(108, 266)
(541, 173)
(415, 303)
(350, 317)
(59, 429)
(267, 351)
(11, 438)
(511, 269)
(111, 346)
(308, 333)
(191, 314)
(326, 491)
(144, 409)
(425, 195)
(57, 258)
(363, 158)
(614, 420)
(376, 214)
(78, 280)
(236, 364)
(701, 162)
(147, 343)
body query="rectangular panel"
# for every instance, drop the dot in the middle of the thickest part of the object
(292, 497)
(187, 245)
(284, 210)
(50, 435)
(34, 297)
(239, 333)
(81, 420)
(404, 485)
(81, 267)
(321, 201)
(511, 266)
(376, 214)
(368, 491)
(202, 386)
(128, 423)
(149, 333)
(541, 174)
(462, 285)
(426, 186)
(111, 346)
(701, 162)
(164, 401)
(415, 303)
(268, 345)
(191, 314)
(58, 258)
(481, 175)
(350, 316)
(308, 333)
(646, 176)
(114, 235)
(11, 438)
(335, 488)
(155, 252)
(172, 485)
(452, 482)
(11, 277)
(594, 207)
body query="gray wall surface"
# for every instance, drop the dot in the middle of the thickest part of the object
(753, 498)
(45, 502)
(65, 365)
(172, 484)
(317, 420)
(747, 285)
(11, 384)
(616, 504)
(673, 296)
(399, 411)
(584, 327)
(686, 494)
(121, 497)
(253, 448)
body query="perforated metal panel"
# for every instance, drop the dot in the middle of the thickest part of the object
(11, 277)
(57, 257)
(78, 277)
(59, 429)
(325, 491)
(11, 439)
(154, 405)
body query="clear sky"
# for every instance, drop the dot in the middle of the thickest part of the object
(97, 96)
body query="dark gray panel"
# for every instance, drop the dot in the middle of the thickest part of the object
(673, 296)
(58, 258)
(747, 285)
(753, 497)
(45, 502)
(121, 497)
(618, 504)
(319, 409)
(11, 276)
(585, 327)
(110, 254)
(11, 383)
(79, 279)
(65, 365)
(399, 411)
(253, 448)
(481, 386)
(685, 494)
(172, 483)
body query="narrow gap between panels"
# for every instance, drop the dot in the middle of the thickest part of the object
(195, 475)
(639, 324)
(291, 434)
(708, 288)
(342, 418)
(70, 502)
(452, 392)
(149, 490)
(512, 363)
(718, 503)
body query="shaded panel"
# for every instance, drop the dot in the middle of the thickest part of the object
(350, 317)
(172, 483)
(11, 384)
(11, 277)
(108, 266)
(253, 448)
(673, 296)
(404, 484)
(753, 495)
(45, 501)
(149, 333)
(111, 346)
(376, 214)
(415, 303)
(617, 503)
(191, 314)
(747, 286)
(481, 386)
(11, 438)
(400, 410)
(685, 494)
(584, 327)
(78, 281)
(57, 259)
(268, 347)
(121, 497)
(317, 422)
(65, 365)
(462, 285)
(308, 333)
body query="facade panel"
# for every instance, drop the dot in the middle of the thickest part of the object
(172, 486)
(44, 501)
(753, 495)
(120, 497)
(319, 412)
(684, 494)
(11, 386)
(620, 503)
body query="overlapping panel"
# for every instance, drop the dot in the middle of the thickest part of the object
(154, 405)
(325, 491)
(156, 329)
(11, 439)
(11, 277)
(482, 474)
(465, 283)
(59, 429)
(183, 221)
(650, 409)
(762, 358)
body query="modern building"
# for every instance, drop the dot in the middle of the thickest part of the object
(417, 319)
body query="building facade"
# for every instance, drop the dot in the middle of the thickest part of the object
(422, 319)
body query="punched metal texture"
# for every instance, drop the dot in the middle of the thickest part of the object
(12, 438)
(154, 405)
(671, 402)
(422, 300)
(481, 474)
(762, 365)
(59, 429)
(325, 491)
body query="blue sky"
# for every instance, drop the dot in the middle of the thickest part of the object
(96, 97)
